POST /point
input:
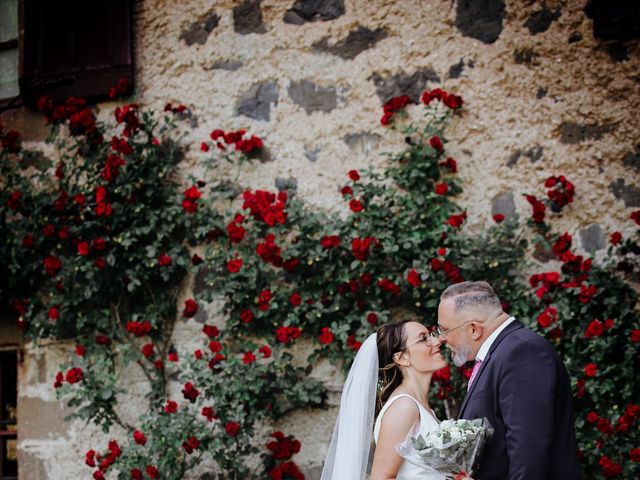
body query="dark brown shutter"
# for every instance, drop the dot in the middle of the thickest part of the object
(75, 48)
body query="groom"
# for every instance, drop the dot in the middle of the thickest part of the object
(518, 383)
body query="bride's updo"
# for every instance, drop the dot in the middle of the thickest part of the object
(391, 338)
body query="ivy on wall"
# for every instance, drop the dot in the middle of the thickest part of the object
(97, 244)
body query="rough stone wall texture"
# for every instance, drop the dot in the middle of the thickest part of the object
(542, 97)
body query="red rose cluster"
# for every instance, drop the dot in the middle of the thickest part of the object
(283, 448)
(128, 115)
(119, 89)
(392, 106)
(82, 120)
(104, 461)
(538, 208)
(244, 145)
(561, 191)
(286, 335)
(266, 206)
(449, 99)
(190, 201)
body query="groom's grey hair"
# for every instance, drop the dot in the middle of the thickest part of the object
(473, 295)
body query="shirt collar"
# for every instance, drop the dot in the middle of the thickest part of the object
(486, 345)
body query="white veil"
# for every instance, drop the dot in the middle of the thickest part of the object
(349, 451)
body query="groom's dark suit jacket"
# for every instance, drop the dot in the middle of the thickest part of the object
(523, 389)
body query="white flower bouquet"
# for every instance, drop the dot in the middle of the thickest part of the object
(454, 447)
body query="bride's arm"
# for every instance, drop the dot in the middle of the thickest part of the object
(395, 425)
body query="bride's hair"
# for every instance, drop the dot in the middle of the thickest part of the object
(391, 338)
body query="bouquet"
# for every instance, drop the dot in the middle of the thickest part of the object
(452, 449)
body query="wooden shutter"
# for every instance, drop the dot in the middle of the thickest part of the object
(75, 48)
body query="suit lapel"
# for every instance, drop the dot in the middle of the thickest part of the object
(512, 327)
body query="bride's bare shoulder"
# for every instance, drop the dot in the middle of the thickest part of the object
(403, 411)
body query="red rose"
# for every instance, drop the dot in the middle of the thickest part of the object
(346, 190)
(291, 265)
(372, 318)
(355, 205)
(330, 241)
(98, 475)
(634, 455)
(208, 413)
(152, 471)
(592, 417)
(52, 265)
(594, 329)
(74, 375)
(248, 358)
(204, 147)
(54, 314)
(547, 317)
(610, 469)
(232, 428)
(190, 392)
(139, 437)
(173, 357)
(295, 299)
(211, 331)
(635, 216)
(234, 265)
(103, 340)
(265, 350)
(436, 143)
(27, 241)
(353, 343)
(136, 474)
(498, 218)
(246, 316)
(326, 336)
(457, 220)
(190, 308)
(164, 260)
(147, 350)
(413, 277)
(354, 175)
(615, 238)
(100, 262)
(635, 335)
(80, 350)
(388, 286)
(450, 164)
(171, 407)
(215, 346)
(590, 370)
(59, 381)
(441, 188)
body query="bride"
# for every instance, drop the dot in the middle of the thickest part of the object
(391, 372)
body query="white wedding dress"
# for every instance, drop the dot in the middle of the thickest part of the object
(412, 468)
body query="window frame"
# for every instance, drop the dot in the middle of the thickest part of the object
(6, 348)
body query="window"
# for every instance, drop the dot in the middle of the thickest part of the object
(63, 48)
(8, 419)
(9, 49)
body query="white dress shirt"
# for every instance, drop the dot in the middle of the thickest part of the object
(486, 345)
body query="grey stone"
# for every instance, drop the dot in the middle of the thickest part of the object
(404, 84)
(316, 470)
(356, 42)
(290, 184)
(363, 142)
(200, 282)
(504, 204)
(199, 31)
(304, 11)
(311, 153)
(540, 21)
(480, 19)
(629, 194)
(247, 18)
(256, 102)
(456, 69)
(632, 159)
(524, 56)
(592, 238)
(573, 132)
(39, 419)
(541, 93)
(201, 316)
(534, 153)
(225, 65)
(30, 465)
(513, 158)
(312, 97)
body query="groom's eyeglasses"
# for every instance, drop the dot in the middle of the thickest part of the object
(443, 333)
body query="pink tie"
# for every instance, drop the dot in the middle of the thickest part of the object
(476, 367)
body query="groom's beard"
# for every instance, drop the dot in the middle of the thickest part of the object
(461, 354)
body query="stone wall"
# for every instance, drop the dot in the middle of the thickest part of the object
(542, 97)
